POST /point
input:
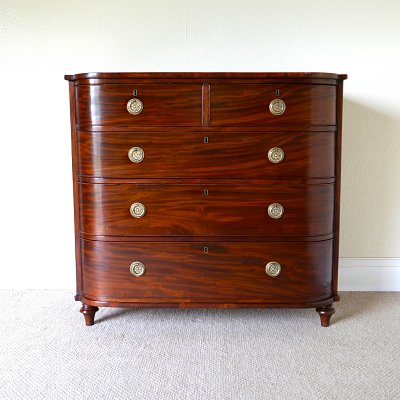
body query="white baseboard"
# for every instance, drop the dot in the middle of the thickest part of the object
(369, 274)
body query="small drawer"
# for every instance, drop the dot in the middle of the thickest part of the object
(209, 209)
(156, 104)
(257, 104)
(207, 272)
(207, 155)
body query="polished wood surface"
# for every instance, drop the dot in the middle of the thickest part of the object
(325, 314)
(209, 155)
(249, 104)
(225, 210)
(210, 76)
(338, 163)
(163, 104)
(88, 312)
(75, 180)
(206, 182)
(207, 271)
(207, 304)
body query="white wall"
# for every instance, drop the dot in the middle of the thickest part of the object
(40, 41)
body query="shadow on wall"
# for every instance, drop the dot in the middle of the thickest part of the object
(370, 221)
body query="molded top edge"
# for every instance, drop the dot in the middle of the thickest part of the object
(205, 75)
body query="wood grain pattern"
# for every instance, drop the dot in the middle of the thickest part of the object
(226, 210)
(271, 181)
(249, 104)
(338, 163)
(149, 129)
(186, 238)
(163, 104)
(206, 183)
(206, 304)
(89, 312)
(227, 272)
(325, 314)
(209, 76)
(209, 155)
(75, 169)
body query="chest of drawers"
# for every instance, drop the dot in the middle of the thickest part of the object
(206, 189)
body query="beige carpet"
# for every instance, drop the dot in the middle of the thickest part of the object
(46, 352)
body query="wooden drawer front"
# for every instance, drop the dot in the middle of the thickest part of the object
(226, 210)
(226, 155)
(183, 272)
(163, 104)
(248, 104)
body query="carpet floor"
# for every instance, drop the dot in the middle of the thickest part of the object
(46, 351)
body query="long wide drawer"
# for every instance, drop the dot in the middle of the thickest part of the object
(210, 272)
(209, 155)
(249, 104)
(202, 210)
(161, 104)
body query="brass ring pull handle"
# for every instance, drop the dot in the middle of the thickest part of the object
(277, 106)
(137, 210)
(136, 154)
(276, 155)
(134, 106)
(137, 269)
(275, 210)
(273, 268)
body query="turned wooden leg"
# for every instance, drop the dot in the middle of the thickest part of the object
(325, 314)
(88, 312)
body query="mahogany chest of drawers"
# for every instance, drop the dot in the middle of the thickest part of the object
(206, 189)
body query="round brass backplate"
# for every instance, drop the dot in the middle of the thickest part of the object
(137, 269)
(136, 154)
(277, 106)
(275, 210)
(276, 155)
(273, 268)
(137, 210)
(134, 106)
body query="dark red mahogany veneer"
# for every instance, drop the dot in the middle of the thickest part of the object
(206, 189)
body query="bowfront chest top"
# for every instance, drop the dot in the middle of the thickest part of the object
(206, 189)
